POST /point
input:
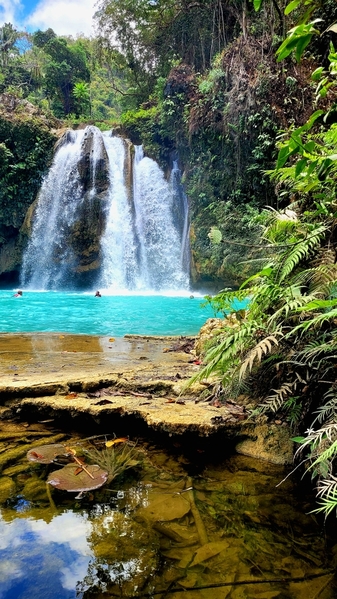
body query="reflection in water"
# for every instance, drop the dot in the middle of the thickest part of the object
(228, 532)
(42, 558)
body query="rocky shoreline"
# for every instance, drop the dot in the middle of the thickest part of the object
(139, 379)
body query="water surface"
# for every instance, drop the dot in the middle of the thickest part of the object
(116, 315)
(140, 536)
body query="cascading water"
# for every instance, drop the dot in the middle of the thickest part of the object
(181, 219)
(90, 229)
(119, 247)
(47, 256)
(161, 243)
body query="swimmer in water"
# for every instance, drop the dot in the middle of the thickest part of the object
(97, 294)
(18, 293)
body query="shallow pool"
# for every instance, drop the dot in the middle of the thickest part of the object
(179, 525)
(116, 315)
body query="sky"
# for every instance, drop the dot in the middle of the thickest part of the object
(65, 17)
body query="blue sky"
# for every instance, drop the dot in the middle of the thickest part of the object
(65, 17)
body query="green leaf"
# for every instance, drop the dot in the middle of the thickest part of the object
(286, 48)
(318, 305)
(298, 439)
(300, 166)
(282, 157)
(292, 6)
(302, 44)
(265, 272)
(315, 115)
(316, 75)
(310, 147)
(257, 4)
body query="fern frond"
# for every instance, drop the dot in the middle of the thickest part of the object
(290, 305)
(280, 225)
(274, 402)
(300, 252)
(327, 504)
(326, 455)
(257, 353)
(225, 356)
(318, 347)
(323, 278)
(327, 486)
(315, 322)
(324, 257)
(329, 409)
(314, 438)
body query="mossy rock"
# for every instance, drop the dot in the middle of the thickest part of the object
(7, 488)
(35, 490)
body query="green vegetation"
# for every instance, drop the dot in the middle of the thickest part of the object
(283, 352)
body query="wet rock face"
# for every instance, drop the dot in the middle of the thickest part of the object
(85, 232)
(93, 166)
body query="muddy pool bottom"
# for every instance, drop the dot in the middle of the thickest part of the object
(174, 524)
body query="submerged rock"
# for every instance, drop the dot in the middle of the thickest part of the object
(7, 488)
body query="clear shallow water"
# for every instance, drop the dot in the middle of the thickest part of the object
(117, 315)
(139, 538)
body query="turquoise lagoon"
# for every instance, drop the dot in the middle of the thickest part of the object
(116, 315)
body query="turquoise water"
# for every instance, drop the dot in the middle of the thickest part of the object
(82, 313)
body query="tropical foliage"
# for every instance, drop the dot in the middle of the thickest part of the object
(283, 352)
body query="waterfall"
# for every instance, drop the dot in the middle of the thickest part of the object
(181, 219)
(47, 256)
(161, 243)
(89, 229)
(119, 247)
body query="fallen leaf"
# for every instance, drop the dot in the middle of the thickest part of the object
(209, 550)
(71, 396)
(163, 508)
(115, 441)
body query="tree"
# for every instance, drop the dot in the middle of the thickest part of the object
(8, 39)
(81, 92)
(66, 65)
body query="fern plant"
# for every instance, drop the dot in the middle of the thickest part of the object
(284, 350)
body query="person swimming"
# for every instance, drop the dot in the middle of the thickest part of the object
(98, 294)
(18, 293)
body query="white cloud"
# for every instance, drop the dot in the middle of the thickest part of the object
(8, 10)
(67, 528)
(65, 17)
